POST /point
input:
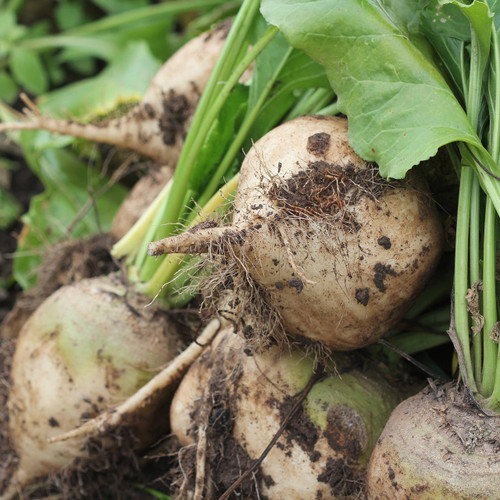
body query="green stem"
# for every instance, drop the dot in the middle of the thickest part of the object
(198, 131)
(203, 22)
(461, 272)
(98, 48)
(130, 243)
(490, 368)
(331, 109)
(474, 260)
(312, 101)
(149, 13)
(171, 263)
(468, 224)
(494, 98)
(194, 143)
(241, 134)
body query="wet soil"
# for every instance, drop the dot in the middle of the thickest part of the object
(325, 189)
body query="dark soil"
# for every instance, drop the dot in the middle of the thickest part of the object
(176, 111)
(325, 189)
(8, 459)
(225, 459)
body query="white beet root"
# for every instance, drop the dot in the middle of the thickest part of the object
(435, 445)
(238, 402)
(87, 347)
(156, 127)
(339, 253)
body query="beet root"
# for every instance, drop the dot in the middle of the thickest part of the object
(86, 348)
(232, 402)
(336, 252)
(435, 445)
(155, 127)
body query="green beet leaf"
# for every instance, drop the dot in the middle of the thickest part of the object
(28, 70)
(400, 108)
(125, 79)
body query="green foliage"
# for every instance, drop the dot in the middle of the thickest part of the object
(35, 59)
(125, 79)
(400, 108)
(8, 87)
(27, 69)
(77, 202)
(9, 209)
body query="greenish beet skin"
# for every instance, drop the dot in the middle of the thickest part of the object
(325, 447)
(87, 348)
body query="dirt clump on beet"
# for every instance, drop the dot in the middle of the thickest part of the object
(308, 253)
(237, 399)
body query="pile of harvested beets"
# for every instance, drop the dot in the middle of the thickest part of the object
(281, 282)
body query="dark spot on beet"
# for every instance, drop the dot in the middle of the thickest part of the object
(362, 295)
(176, 111)
(318, 144)
(279, 285)
(384, 242)
(381, 271)
(53, 422)
(149, 110)
(340, 476)
(392, 475)
(425, 250)
(300, 429)
(315, 456)
(297, 284)
(247, 331)
(220, 420)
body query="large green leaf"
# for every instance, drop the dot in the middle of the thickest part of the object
(126, 78)
(399, 106)
(28, 70)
